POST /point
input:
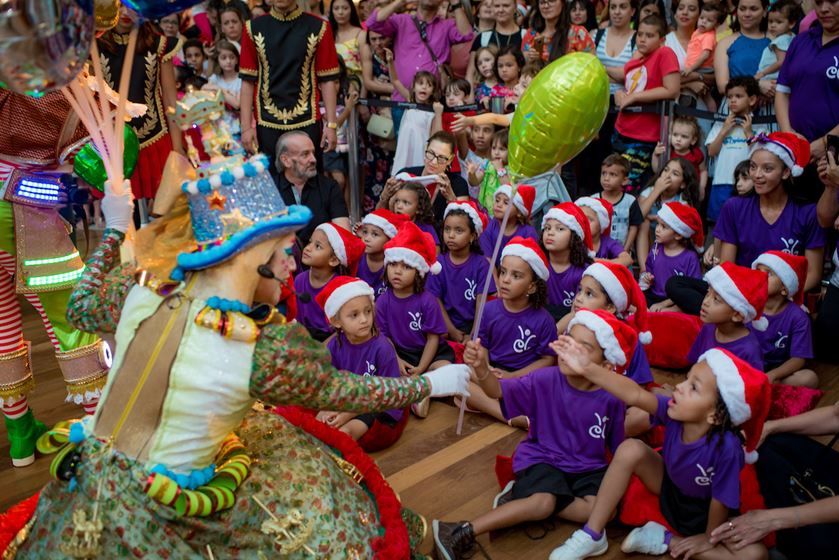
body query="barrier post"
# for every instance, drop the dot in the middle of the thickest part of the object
(352, 166)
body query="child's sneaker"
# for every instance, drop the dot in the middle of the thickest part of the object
(452, 540)
(648, 539)
(580, 546)
(506, 495)
(420, 409)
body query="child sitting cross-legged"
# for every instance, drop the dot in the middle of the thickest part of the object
(559, 466)
(697, 474)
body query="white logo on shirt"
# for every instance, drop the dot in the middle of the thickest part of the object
(833, 71)
(416, 321)
(782, 340)
(569, 298)
(790, 245)
(523, 342)
(598, 431)
(371, 369)
(678, 272)
(469, 293)
(382, 289)
(704, 479)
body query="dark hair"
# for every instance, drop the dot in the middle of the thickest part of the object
(588, 6)
(460, 84)
(722, 423)
(419, 279)
(424, 212)
(355, 21)
(234, 9)
(559, 42)
(578, 255)
(657, 22)
(474, 246)
(690, 181)
(539, 298)
(691, 122)
(789, 9)
(513, 51)
(374, 330)
(735, 23)
(444, 137)
(746, 82)
(426, 75)
(224, 44)
(501, 136)
(619, 160)
(194, 44)
(742, 169)
(712, 6)
(643, 4)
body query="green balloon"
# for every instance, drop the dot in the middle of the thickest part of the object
(89, 166)
(559, 114)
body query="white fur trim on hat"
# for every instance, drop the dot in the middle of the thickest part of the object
(782, 152)
(604, 334)
(671, 219)
(565, 219)
(412, 259)
(518, 202)
(730, 385)
(728, 290)
(381, 223)
(470, 211)
(335, 241)
(344, 294)
(599, 209)
(781, 269)
(528, 256)
(610, 284)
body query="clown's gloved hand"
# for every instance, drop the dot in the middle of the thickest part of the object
(118, 207)
(449, 380)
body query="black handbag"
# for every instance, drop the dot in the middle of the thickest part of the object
(805, 488)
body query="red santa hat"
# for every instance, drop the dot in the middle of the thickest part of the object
(603, 209)
(479, 219)
(791, 269)
(389, 222)
(620, 285)
(527, 249)
(413, 247)
(346, 246)
(685, 221)
(570, 215)
(744, 289)
(791, 148)
(746, 393)
(339, 291)
(523, 201)
(616, 338)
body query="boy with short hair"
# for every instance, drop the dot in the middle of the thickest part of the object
(627, 214)
(480, 138)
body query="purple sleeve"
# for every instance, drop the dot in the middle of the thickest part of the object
(432, 316)
(517, 396)
(660, 417)
(387, 27)
(436, 283)
(331, 346)
(547, 333)
(381, 316)
(784, 75)
(726, 228)
(613, 248)
(692, 268)
(815, 235)
(454, 34)
(699, 345)
(616, 435)
(387, 363)
(801, 343)
(725, 484)
(639, 366)
(486, 243)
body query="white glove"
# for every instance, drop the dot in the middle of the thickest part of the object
(452, 379)
(118, 209)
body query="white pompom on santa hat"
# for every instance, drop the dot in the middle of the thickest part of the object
(791, 269)
(685, 221)
(339, 291)
(790, 148)
(523, 200)
(746, 393)
(744, 289)
(415, 248)
(623, 290)
(616, 338)
(389, 222)
(478, 218)
(527, 250)
(603, 208)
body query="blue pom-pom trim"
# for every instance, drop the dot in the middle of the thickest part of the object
(204, 186)
(77, 434)
(195, 479)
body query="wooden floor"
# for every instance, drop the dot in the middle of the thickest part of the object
(435, 472)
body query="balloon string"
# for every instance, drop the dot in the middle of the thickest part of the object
(485, 293)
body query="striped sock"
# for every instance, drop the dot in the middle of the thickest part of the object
(16, 410)
(90, 406)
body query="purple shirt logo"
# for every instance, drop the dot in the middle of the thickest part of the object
(371, 369)
(781, 342)
(568, 300)
(833, 71)
(524, 340)
(416, 321)
(704, 479)
(790, 245)
(598, 431)
(469, 293)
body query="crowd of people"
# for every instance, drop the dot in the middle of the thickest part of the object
(728, 218)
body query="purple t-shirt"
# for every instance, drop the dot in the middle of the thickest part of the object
(741, 223)
(375, 280)
(609, 248)
(704, 469)
(374, 357)
(429, 229)
(569, 429)
(310, 314)
(746, 348)
(458, 286)
(787, 336)
(563, 286)
(663, 267)
(490, 236)
(516, 340)
(407, 322)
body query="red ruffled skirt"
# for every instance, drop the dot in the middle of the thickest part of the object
(149, 170)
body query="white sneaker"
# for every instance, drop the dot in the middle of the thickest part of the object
(648, 539)
(504, 496)
(580, 546)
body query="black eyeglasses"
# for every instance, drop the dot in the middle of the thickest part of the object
(431, 156)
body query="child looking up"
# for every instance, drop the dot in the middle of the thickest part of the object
(408, 314)
(787, 341)
(736, 296)
(783, 16)
(684, 143)
(678, 237)
(559, 466)
(599, 213)
(626, 215)
(331, 251)
(517, 223)
(567, 241)
(697, 475)
(358, 347)
(464, 268)
(377, 228)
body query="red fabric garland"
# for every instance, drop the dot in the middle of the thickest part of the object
(15, 518)
(394, 544)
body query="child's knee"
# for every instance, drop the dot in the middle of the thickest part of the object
(631, 451)
(542, 504)
(809, 378)
(637, 422)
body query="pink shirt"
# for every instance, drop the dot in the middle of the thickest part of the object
(701, 41)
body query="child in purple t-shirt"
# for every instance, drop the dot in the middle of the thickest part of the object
(697, 475)
(736, 297)
(787, 342)
(464, 268)
(599, 213)
(567, 241)
(357, 347)
(517, 223)
(377, 228)
(559, 466)
(412, 200)
(332, 250)
(678, 237)
(406, 313)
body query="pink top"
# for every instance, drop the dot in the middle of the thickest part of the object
(700, 42)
